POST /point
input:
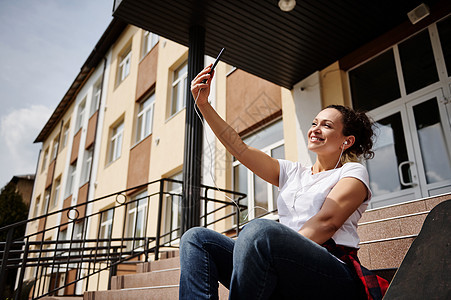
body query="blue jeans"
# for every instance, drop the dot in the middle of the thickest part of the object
(267, 261)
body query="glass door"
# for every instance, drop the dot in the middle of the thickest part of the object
(393, 172)
(412, 151)
(432, 142)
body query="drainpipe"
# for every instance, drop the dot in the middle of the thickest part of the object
(193, 136)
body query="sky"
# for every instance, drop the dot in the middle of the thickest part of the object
(43, 44)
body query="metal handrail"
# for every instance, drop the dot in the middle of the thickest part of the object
(86, 257)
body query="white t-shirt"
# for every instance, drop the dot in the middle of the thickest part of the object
(302, 195)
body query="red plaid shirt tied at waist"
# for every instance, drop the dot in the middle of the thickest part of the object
(375, 286)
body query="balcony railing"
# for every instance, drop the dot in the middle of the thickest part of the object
(84, 250)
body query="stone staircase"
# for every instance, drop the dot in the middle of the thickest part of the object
(153, 280)
(386, 234)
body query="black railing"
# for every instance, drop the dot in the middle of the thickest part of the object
(88, 245)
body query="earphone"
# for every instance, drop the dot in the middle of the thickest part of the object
(346, 142)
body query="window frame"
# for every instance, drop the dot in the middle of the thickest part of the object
(172, 211)
(56, 193)
(37, 206)
(143, 113)
(96, 95)
(138, 207)
(250, 177)
(150, 40)
(175, 101)
(81, 110)
(45, 159)
(87, 165)
(47, 194)
(115, 142)
(65, 137)
(70, 184)
(124, 66)
(108, 224)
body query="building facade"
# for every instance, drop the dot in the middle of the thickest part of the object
(123, 121)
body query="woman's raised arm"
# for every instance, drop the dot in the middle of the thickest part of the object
(255, 160)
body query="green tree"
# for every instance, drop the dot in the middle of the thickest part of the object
(12, 210)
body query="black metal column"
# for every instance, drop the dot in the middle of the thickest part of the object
(193, 136)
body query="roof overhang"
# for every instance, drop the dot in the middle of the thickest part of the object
(282, 47)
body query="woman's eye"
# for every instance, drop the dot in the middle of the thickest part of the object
(313, 124)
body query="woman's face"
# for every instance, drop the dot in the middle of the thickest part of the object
(326, 134)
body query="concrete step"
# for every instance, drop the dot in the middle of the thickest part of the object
(386, 233)
(155, 278)
(162, 264)
(384, 254)
(148, 293)
(394, 227)
(406, 208)
(61, 298)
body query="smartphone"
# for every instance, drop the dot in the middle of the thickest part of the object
(215, 63)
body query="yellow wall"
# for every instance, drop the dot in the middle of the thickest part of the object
(120, 104)
(167, 154)
(289, 125)
(334, 87)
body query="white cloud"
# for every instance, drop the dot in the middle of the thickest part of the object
(18, 130)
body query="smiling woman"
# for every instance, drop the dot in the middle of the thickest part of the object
(312, 252)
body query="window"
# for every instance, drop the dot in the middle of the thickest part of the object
(80, 115)
(71, 179)
(262, 196)
(173, 210)
(95, 101)
(116, 142)
(375, 82)
(55, 147)
(36, 206)
(45, 158)
(106, 228)
(86, 168)
(179, 83)
(78, 234)
(65, 134)
(417, 62)
(56, 193)
(46, 201)
(62, 237)
(124, 66)
(137, 219)
(145, 118)
(150, 40)
(444, 30)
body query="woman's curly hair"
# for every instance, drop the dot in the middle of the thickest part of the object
(358, 124)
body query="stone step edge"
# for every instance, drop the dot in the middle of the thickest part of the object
(160, 271)
(394, 218)
(408, 202)
(147, 288)
(389, 239)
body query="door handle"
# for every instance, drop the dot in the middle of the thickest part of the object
(401, 178)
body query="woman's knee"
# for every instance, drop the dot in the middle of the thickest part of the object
(193, 235)
(261, 228)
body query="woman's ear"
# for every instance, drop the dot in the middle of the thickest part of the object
(350, 140)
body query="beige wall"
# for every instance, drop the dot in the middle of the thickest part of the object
(334, 87)
(119, 106)
(289, 125)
